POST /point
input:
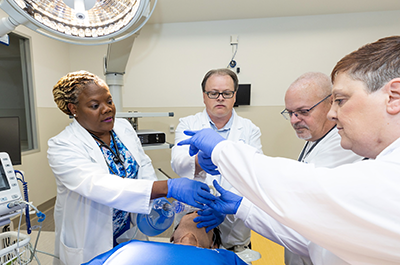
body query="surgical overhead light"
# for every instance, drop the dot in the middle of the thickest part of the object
(78, 21)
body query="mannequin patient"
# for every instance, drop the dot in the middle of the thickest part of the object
(186, 233)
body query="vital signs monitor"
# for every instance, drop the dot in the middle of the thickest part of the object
(9, 189)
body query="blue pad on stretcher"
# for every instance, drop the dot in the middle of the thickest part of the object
(154, 253)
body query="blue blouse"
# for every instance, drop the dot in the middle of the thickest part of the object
(121, 219)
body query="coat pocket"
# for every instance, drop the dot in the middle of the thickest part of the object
(70, 256)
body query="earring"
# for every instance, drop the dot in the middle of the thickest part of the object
(74, 115)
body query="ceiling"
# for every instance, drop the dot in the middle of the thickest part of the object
(172, 11)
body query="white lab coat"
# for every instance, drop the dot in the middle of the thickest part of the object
(326, 153)
(87, 193)
(329, 153)
(268, 227)
(233, 230)
(352, 210)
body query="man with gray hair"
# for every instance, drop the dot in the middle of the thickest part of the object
(308, 101)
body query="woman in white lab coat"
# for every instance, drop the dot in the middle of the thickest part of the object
(102, 172)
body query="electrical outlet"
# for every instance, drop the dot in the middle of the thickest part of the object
(172, 129)
(234, 39)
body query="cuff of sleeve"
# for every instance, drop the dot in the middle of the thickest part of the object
(244, 209)
(217, 151)
(169, 195)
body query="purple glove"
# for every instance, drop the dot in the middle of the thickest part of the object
(204, 140)
(227, 203)
(206, 164)
(209, 218)
(194, 193)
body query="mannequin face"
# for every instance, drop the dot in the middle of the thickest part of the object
(188, 234)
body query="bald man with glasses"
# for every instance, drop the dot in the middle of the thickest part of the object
(308, 101)
(219, 88)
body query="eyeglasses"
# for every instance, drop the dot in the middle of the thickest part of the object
(215, 94)
(287, 114)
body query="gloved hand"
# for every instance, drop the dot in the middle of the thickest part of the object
(206, 164)
(227, 203)
(194, 193)
(209, 218)
(204, 140)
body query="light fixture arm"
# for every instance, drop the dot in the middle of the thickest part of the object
(7, 24)
(114, 67)
(117, 57)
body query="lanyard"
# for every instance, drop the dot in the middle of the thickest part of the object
(117, 157)
(303, 154)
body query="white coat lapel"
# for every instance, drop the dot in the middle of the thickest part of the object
(89, 144)
(235, 133)
(205, 123)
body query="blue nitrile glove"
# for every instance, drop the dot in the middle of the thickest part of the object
(209, 218)
(204, 140)
(206, 164)
(192, 192)
(227, 203)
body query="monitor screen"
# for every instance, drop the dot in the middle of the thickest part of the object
(10, 141)
(3, 179)
(243, 95)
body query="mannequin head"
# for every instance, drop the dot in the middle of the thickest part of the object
(186, 233)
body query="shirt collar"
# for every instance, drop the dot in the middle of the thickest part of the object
(389, 149)
(227, 126)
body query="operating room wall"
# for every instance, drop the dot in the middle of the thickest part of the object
(167, 64)
(49, 61)
(168, 61)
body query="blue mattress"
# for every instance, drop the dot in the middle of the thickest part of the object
(154, 253)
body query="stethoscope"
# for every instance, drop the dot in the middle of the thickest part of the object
(304, 154)
(117, 157)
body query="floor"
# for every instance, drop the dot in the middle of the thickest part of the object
(45, 242)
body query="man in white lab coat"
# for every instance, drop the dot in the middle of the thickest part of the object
(307, 103)
(219, 94)
(348, 214)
